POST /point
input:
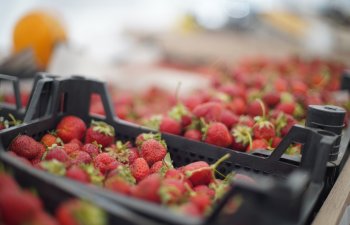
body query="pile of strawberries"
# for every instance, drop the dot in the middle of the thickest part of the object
(18, 207)
(143, 170)
(250, 106)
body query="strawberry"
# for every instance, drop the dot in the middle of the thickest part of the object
(275, 142)
(202, 201)
(193, 101)
(172, 191)
(190, 209)
(271, 99)
(299, 88)
(50, 139)
(78, 174)
(77, 212)
(156, 167)
(242, 137)
(148, 188)
(256, 108)
(71, 147)
(120, 180)
(93, 149)
(25, 146)
(180, 113)
(38, 158)
(283, 122)
(263, 129)
(287, 107)
(146, 136)
(76, 141)
(175, 174)
(124, 153)
(281, 85)
(246, 120)
(169, 125)
(7, 183)
(71, 127)
(18, 207)
(193, 134)
(205, 190)
(228, 118)
(80, 157)
(57, 153)
(216, 133)
(258, 144)
(105, 163)
(210, 111)
(200, 173)
(238, 106)
(153, 151)
(140, 169)
(100, 132)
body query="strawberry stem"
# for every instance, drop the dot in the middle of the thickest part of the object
(262, 105)
(250, 140)
(223, 158)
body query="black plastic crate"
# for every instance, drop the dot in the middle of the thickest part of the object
(72, 96)
(38, 103)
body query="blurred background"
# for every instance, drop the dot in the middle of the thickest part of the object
(161, 43)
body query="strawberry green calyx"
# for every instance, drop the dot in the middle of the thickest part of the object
(14, 121)
(204, 126)
(178, 111)
(95, 176)
(167, 165)
(242, 134)
(153, 122)
(262, 122)
(88, 214)
(299, 111)
(286, 97)
(222, 96)
(54, 166)
(125, 173)
(166, 194)
(120, 151)
(254, 95)
(222, 187)
(281, 122)
(103, 128)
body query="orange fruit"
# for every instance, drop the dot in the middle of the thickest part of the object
(41, 31)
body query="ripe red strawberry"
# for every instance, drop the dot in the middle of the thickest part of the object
(286, 107)
(200, 172)
(281, 85)
(204, 189)
(153, 151)
(80, 157)
(228, 118)
(193, 134)
(202, 201)
(210, 111)
(25, 146)
(71, 147)
(78, 174)
(144, 137)
(190, 209)
(258, 144)
(42, 151)
(100, 132)
(57, 153)
(18, 207)
(7, 183)
(238, 106)
(172, 191)
(93, 149)
(105, 163)
(169, 125)
(216, 133)
(256, 108)
(181, 113)
(275, 142)
(139, 169)
(148, 188)
(263, 129)
(242, 137)
(156, 167)
(192, 101)
(76, 141)
(299, 88)
(283, 122)
(49, 139)
(67, 213)
(246, 120)
(120, 180)
(71, 127)
(124, 153)
(271, 99)
(175, 174)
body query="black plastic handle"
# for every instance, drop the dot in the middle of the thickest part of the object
(76, 91)
(16, 90)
